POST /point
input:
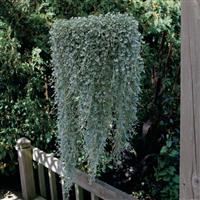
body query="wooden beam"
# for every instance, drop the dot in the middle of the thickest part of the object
(52, 183)
(39, 198)
(79, 192)
(190, 101)
(94, 197)
(97, 187)
(42, 182)
(47, 160)
(53, 187)
(64, 196)
(24, 151)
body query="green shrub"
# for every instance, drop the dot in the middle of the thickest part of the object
(167, 173)
(160, 106)
(97, 67)
(25, 106)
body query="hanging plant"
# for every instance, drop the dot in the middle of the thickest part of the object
(97, 67)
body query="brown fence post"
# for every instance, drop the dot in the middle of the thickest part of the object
(24, 150)
(52, 183)
(78, 192)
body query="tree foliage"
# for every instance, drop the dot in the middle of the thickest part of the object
(25, 99)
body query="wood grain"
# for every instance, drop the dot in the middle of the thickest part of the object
(190, 101)
(24, 150)
(96, 187)
(39, 198)
(79, 192)
(99, 188)
(94, 197)
(53, 187)
(42, 182)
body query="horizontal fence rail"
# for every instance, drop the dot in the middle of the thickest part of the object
(27, 153)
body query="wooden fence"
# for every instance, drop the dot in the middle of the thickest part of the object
(27, 154)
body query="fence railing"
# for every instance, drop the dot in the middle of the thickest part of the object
(27, 154)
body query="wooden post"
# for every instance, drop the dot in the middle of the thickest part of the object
(52, 183)
(63, 188)
(94, 197)
(78, 192)
(53, 187)
(190, 101)
(42, 182)
(24, 150)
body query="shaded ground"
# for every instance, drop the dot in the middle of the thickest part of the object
(10, 195)
(10, 188)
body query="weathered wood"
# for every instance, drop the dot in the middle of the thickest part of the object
(100, 188)
(48, 161)
(63, 189)
(97, 187)
(39, 198)
(24, 150)
(94, 197)
(79, 192)
(190, 100)
(42, 182)
(52, 183)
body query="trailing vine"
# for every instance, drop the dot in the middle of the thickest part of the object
(97, 67)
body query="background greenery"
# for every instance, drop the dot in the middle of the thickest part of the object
(26, 100)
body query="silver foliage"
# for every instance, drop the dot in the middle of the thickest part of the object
(97, 67)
